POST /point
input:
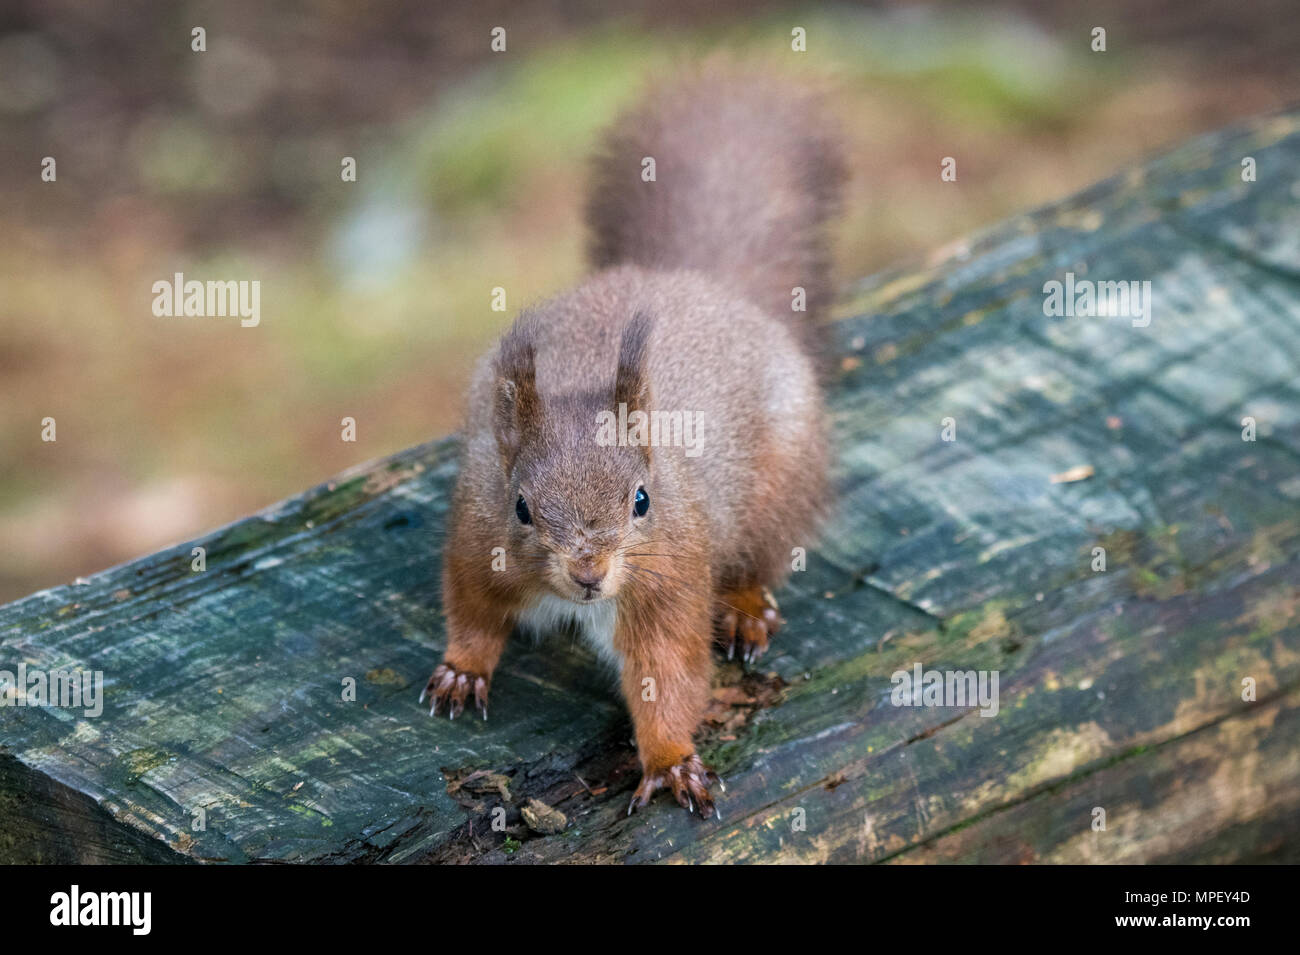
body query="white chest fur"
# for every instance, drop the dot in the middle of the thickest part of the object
(595, 621)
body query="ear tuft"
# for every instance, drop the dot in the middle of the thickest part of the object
(631, 381)
(518, 407)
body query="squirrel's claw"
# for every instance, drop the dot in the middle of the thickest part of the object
(689, 783)
(745, 621)
(453, 687)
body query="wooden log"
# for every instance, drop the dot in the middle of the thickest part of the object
(1119, 690)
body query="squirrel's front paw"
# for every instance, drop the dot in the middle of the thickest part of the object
(689, 781)
(453, 687)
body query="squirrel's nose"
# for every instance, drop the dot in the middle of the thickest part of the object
(586, 577)
(587, 572)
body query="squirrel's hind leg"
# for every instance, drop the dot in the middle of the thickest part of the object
(744, 620)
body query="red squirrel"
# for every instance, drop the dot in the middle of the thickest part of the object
(708, 215)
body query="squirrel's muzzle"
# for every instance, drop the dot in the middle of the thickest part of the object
(587, 573)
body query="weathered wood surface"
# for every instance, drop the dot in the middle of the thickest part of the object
(1120, 690)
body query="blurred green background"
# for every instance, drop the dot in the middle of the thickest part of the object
(376, 294)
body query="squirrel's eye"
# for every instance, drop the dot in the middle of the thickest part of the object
(641, 503)
(521, 511)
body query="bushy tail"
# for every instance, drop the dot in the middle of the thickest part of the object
(748, 168)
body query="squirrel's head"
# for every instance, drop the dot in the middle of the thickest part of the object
(580, 506)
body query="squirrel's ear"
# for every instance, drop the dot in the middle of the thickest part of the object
(517, 405)
(631, 383)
